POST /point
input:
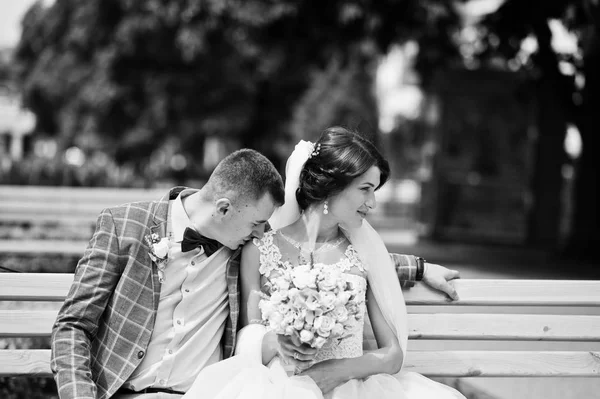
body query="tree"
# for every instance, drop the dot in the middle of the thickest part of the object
(133, 76)
(129, 76)
(562, 100)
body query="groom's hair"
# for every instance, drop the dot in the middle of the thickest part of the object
(342, 156)
(246, 175)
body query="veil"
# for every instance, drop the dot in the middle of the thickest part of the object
(382, 278)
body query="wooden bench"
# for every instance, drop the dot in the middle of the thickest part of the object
(74, 208)
(466, 338)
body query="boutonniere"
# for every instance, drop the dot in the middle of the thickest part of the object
(159, 252)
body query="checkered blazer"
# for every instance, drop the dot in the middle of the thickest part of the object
(104, 326)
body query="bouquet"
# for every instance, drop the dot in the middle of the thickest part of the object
(314, 302)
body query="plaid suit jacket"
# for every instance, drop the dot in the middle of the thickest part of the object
(104, 326)
(103, 329)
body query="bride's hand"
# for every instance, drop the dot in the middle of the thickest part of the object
(325, 375)
(295, 352)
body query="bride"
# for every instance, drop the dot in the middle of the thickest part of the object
(330, 188)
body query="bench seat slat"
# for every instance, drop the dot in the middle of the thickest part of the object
(430, 363)
(36, 323)
(504, 363)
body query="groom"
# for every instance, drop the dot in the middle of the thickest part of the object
(155, 297)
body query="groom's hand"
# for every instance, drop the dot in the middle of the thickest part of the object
(439, 277)
(295, 352)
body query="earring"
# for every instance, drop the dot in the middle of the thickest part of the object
(325, 208)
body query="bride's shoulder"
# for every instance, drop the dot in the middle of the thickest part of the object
(267, 237)
(354, 260)
(266, 241)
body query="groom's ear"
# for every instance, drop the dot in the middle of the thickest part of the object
(223, 206)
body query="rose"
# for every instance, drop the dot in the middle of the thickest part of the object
(342, 298)
(312, 301)
(297, 299)
(309, 318)
(329, 281)
(323, 325)
(303, 278)
(327, 300)
(275, 321)
(319, 342)
(306, 336)
(337, 330)
(299, 323)
(340, 314)
(284, 308)
(267, 308)
(289, 330)
(288, 317)
(280, 284)
(352, 308)
(161, 248)
(277, 297)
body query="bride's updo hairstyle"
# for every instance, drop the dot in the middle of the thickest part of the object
(340, 156)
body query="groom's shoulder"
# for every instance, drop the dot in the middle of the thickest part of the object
(139, 210)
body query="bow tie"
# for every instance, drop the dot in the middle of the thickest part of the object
(192, 239)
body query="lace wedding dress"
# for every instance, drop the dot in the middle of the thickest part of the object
(243, 376)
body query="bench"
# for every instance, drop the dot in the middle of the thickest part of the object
(66, 217)
(47, 209)
(466, 338)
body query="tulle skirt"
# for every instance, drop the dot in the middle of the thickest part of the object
(241, 377)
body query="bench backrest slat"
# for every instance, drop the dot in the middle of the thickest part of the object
(79, 205)
(53, 194)
(34, 286)
(61, 247)
(491, 292)
(504, 363)
(36, 323)
(523, 327)
(29, 286)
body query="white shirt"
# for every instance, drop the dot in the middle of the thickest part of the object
(191, 315)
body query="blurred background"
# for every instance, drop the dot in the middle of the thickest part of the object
(486, 109)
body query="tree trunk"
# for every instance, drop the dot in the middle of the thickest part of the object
(552, 107)
(550, 156)
(585, 233)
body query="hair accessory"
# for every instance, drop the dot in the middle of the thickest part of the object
(315, 151)
(325, 208)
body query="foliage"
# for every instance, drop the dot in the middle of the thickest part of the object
(124, 76)
(337, 95)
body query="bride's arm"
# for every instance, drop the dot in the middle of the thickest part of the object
(250, 284)
(250, 297)
(385, 360)
(271, 344)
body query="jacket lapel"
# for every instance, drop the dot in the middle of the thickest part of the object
(158, 225)
(233, 272)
